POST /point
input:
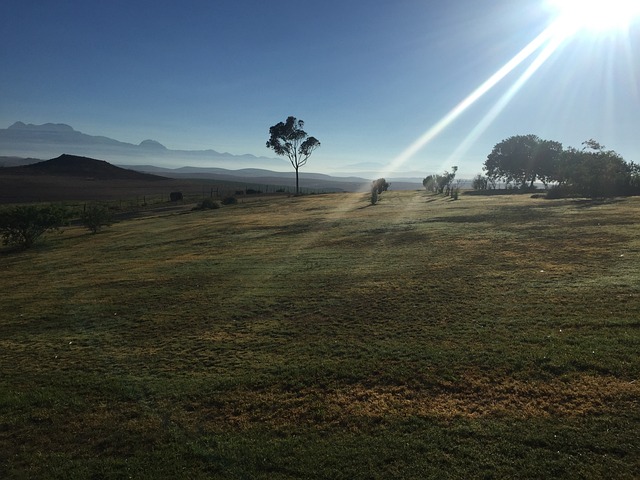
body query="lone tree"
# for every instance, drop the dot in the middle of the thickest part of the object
(377, 187)
(290, 140)
(381, 185)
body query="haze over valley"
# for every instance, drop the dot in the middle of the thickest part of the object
(42, 142)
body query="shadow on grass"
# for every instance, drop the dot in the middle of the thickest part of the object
(596, 202)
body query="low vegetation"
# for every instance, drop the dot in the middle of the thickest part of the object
(309, 337)
(21, 226)
(377, 187)
(95, 216)
(229, 201)
(208, 204)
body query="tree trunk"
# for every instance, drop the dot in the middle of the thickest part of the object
(297, 188)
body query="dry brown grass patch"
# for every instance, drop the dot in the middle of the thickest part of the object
(472, 397)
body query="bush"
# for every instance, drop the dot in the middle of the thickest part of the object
(230, 201)
(381, 185)
(209, 204)
(480, 182)
(96, 216)
(560, 191)
(374, 194)
(22, 226)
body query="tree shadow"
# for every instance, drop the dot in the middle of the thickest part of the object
(597, 202)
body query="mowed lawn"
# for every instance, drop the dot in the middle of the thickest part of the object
(321, 337)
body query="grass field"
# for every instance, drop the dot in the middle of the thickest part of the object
(321, 337)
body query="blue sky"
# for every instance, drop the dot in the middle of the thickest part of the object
(369, 78)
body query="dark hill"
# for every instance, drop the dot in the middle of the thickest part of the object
(74, 166)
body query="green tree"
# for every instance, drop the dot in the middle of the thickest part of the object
(96, 216)
(377, 187)
(381, 185)
(480, 182)
(440, 183)
(595, 172)
(289, 139)
(449, 183)
(23, 225)
(523, 159)
(429, 183)
(374, 194)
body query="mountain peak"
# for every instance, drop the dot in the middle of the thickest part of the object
(152, 144)
(77, 166)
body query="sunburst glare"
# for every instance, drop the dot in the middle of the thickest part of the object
(594, 15)
(570, 18)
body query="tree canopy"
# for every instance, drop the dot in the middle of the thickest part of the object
(595, 172)
(590, 171)
(288, 139)
(523, 159)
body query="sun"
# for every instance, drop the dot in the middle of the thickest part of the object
(594, 15)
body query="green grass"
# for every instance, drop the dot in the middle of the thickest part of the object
(320, 337)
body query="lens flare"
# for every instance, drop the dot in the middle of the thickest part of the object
(504, 100)
(570, 17)
(594, 15)
(473, 97)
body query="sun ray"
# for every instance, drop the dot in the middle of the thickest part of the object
(571, 17)
(473, 97)
(501, 104)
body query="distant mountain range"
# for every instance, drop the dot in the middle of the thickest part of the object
(23, 143)
(53, 139)
(318, 181)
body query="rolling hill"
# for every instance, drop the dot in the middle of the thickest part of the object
(71, 177)
(83, 167)
(74, 178)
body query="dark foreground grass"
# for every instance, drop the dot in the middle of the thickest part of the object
(318, 337)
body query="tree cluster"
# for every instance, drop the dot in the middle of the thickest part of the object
(442, 184)
(591, 171)
(522, 159)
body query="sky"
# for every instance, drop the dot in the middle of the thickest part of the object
(378, 82)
